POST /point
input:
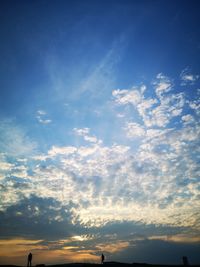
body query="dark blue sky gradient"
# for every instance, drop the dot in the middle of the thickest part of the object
(99, 130)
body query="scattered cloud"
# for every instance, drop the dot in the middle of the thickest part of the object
(42, 117)
(187, 77)
(117, 191)
(162, 84)
(153, 111)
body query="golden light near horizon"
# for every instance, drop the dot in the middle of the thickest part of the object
(18, 249)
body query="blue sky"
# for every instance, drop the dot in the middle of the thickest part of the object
(99, 131)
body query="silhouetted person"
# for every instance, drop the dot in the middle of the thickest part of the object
(185, 261)
(102, 258)
(29, 259)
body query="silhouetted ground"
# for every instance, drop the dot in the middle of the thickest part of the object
(106, 264)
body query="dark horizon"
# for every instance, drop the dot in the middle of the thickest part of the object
(112, 263)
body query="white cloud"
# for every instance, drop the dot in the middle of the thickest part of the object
(166, 156)
(124, 97)
(41, 117)
(20, 171)
(41, 112)
(134, 130)
(187, 119)
(169, 107)
(153, 111)
(114, 181)
(117, 181)
(54, 151)
(195, 105)
(6, 166)
(153, 179)
(84, 132)
(120, 115)
(187, 77)
(91, 139)
(162, 84)
(145, 106)
(44, 121)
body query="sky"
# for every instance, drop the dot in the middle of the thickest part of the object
(99, 131)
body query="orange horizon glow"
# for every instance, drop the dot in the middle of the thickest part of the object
(15, 251)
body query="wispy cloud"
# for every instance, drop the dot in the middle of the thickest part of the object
(101, 77)
(187, 77)
(178, 238)
(42, 117)
(14, 139)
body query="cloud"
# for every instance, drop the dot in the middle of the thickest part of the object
(41, 112)
(14, 140)
(101, 77)
(187, 119)
(162, 84)
(116, 179)
(195, 106)
(169, 107)
(134, 130)
(124, 96)
(38, 217)
(54, 151)
(41, 252)
(44, 121)
(153, 111)
(4, 165)
(20, 172)
(162, 146)
(187, 77)
(113, 248)
(41, 117)
(84, 132)
(178, 238)
(143, 188)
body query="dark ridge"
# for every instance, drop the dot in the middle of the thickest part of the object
(112, 263)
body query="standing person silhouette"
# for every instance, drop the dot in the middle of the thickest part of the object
(29, 259)
(102, 258)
